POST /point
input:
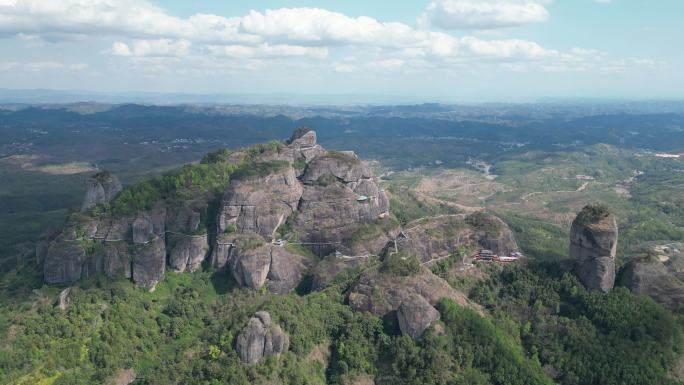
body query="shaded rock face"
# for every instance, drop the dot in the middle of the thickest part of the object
(186, 252)
(435, 238)
(593, 243)
(63, 263)
(651, 278)
(100, 188)
(148, 263)
(259, 205)
(415, 315)
(260, 338)
(267, 265)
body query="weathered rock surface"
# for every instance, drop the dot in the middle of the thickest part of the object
(186, 252)
(260, 204)
(148, 264)
(256, 264)
(593, 243)
(415, 315)
(250, 267)
(100, 188)
(329, 214)
(63, 263)
(433, 238)
(260, 338)
(319, 197)
(64, 299)
(381, 293)
(649, 277)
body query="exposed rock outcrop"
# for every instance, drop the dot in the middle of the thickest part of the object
(320, 198)
(260, 338)
(649, 277)
(64, 263)
(381, 293)
(256, 264)
(186, 252)
(433, 238)
(415, 315)
(100, 188)
(259, 204)
(64, 299)
(339, 197)
(593, 243)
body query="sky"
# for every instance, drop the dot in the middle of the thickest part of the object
(422, 50)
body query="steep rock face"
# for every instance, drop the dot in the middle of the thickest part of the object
(433, 238)
(255, 264)
(186, 252)
(651, 278)
(335, 204)
(415, 315)
(593, 243)
(148, 264)
(100, 188)
(63, 263)
(260, 204)
(286, 270)
(250, 267)
(260, 338)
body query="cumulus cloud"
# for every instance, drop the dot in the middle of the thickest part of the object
(482, 14)
(140, 30)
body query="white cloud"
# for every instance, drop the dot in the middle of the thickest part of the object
(267, 51)
(482, 14)
(146, 34)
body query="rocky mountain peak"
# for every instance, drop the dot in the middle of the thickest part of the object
(100, 188)
(593, 245)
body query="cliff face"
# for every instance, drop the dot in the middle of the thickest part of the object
(319, 197)
(651, 278)
(100, 188)
(593, 244)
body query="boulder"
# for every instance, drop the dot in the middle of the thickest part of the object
(593, 243)
(64, 299)
(260, 338)
(286, 270)
(100, 188)
(342, 166)
(268, 265)
(186, 252)
(415, 315)
(251, 265)
(649, 277)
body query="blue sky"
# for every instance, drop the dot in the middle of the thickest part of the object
(430, 50)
